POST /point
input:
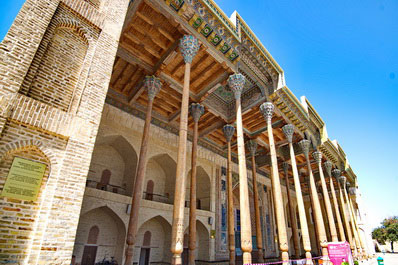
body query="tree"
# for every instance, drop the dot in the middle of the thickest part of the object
(387, 232)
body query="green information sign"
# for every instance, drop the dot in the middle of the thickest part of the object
(24, 179)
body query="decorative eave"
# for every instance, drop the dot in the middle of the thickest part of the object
(341, 150)
(290, 106)
(349, 173)
(262, 51)
(330, 151)
(313, 115)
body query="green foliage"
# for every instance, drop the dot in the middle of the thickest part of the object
(388, 230)
(356, 262)
(345, 263)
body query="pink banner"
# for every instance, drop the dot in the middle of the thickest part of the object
(340, 252)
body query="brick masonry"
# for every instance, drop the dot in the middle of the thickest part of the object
(52, 93)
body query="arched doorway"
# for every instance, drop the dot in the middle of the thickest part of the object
(145, 249)
(100, 235)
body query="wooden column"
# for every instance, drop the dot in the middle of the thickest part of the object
(352, 221)
(267, 109)
(336, 174)
(152, 86)
(228, 133)
(196, 111)
(291, 212)
(328, 167)
(332, 227)
(189, 46)
(252, 146)
(320, 226)
(312, 214)
(288, 130)
(236, 82)
(352, 191)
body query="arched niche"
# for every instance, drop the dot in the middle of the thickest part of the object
(110, 239)
(161, 169)
(116, 155)
(160, 230)
(202, 189)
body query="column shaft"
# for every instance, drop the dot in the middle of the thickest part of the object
(246, 232)
(301, 208)
(292, 218)
(177, 239)
(259, 236)
(354, 230)
(192, 200)
(345, 217)
(231, 221)
(312, 214)
(328, 205)
(337, 212)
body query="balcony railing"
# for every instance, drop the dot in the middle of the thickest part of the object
(105, 187)
(157, 197)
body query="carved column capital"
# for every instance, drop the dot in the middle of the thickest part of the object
(328, 167)
(352, 191)
(288, 130)
(267, 109)
(189, 47)
(317, 157)
(236, 82)
(342, 180)
(229, 131)
(285, 166)
(152, 85)
(305, 146)
(252, 146)
(336, 173)
(196, 111)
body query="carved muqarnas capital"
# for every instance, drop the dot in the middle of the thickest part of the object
(336, 173)
(305, 146)
(189, 47)
(152, 85)
(288, 130)
(317, 156)
(328, 167)
(342, 180)
(285, 166)
(196, 111)
(229, 131)
(352, 191)
(236, 83)
(252, 146)
(267, 109)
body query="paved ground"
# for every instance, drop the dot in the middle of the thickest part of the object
(389, 258)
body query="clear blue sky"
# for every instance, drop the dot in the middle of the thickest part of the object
(343, 56)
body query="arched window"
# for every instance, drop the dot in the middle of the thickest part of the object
(149, 190)
(93, 235)
(105, 177)
(147, 239)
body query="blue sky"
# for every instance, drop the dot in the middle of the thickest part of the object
(343, 56)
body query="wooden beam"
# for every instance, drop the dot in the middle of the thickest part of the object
(212, 86)
(130, 13)
(211, 128)
(128, 57)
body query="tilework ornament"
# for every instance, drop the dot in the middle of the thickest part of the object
(206, 31)
(229, 131)
(267, 109)
(196, 111)
(288, 130)
(152, 85)
(189, 46)
(236, 82)
(305, 146)
(177, 4)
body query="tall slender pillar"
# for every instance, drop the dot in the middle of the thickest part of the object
(228, 133)
(236, 82)
(332, 227)
(288, 130)
(267, 109)
(152, 86)
(291, 212)
(353, 222)
(196, 111)
(363, 246)
(336, 175)
(312, 214)
(320, 226)
(252, 146)
(189, 46)
(328, 167)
